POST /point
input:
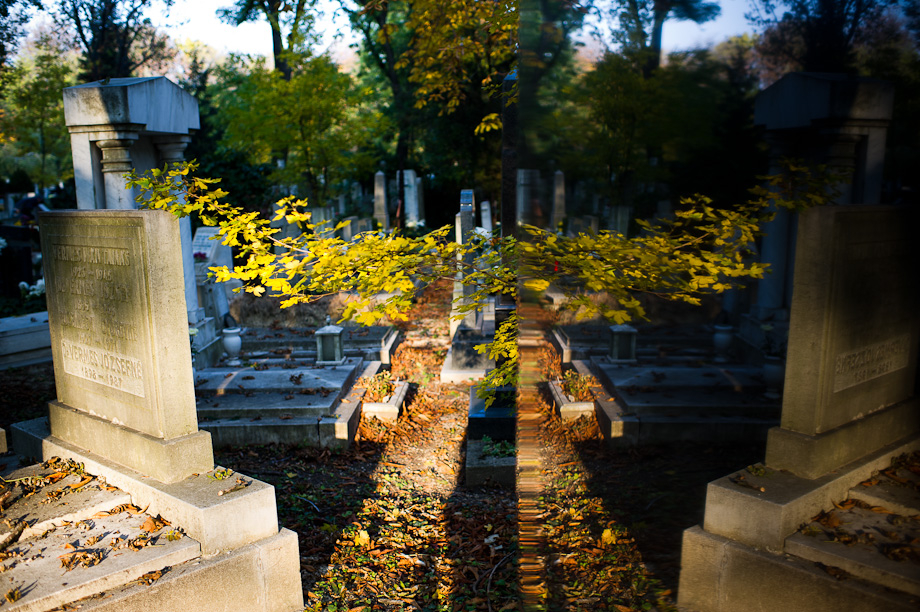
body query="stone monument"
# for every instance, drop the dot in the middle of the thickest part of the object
(126, 406)
(828, 119)
(849, 407)
(381, 214)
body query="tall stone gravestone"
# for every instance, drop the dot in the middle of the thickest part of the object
(120, 341)
(214, 298)
(381, 215)
(414, 216)
(558, 200)
(126, 411)
(849, 406)
(827, 119)
(485, 216)
(130, 124)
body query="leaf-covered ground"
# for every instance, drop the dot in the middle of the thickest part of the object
(390, 525)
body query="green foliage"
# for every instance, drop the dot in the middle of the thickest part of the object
(578, 386)
(497, 448)
(378, 386)
(310, 123)
(33, 136)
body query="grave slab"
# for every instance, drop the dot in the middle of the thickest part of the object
(24, 340)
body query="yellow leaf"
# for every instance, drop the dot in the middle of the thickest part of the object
(362, 538)
(608, 538)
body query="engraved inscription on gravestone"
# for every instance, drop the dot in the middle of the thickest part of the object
(854, 327)
(116, 309)
(93, 288)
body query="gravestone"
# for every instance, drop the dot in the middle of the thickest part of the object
(213, 298)
(823, 119)
(120, 341)
(126, 412)
(130, 123)
(485, 216)
(420, 196)
(414, 217)
(849, 407)
(558, 200)
(381, 215)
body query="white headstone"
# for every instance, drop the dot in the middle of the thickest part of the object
(485, 215)
(380, 200)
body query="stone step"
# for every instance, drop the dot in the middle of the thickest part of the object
(81, 543)
(62, 501)
(294, 403)
(896, 489)
(873, 544)
(742, 379)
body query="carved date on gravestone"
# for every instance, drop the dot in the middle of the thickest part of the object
(95, 293)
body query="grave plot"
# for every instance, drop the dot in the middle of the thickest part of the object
(670, 386)
(373, 343)
(276, 400)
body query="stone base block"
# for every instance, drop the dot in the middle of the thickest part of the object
(814, 456)
(219, 522)
(566, 408)
(337, 430)
(498, 421)
(738, 509)
(388, 410)
(3, 447)
(262, 577)
(720, 575)
(482, 470)
(165, 460)
(451, 375)
(24, 340)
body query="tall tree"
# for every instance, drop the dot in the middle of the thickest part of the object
(816, 35)
(13, 15)
(33, 117)
(642, 24)
(295, 17)
(115, 36)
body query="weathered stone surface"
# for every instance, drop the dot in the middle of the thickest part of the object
(119, 335)
(485, 470)
(853, 338)
(786, 501)
(719, 575)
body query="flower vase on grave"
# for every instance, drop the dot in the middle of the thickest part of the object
(774, 373)
(722, 341)
(232, 344)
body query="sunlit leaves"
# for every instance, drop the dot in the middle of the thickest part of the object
(701, 250)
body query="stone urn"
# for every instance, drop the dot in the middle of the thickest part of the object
(232, 344)
(721, 342)
(774, 373)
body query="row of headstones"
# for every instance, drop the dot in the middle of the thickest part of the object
(384, 195)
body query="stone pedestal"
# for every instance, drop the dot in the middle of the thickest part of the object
(849, 407)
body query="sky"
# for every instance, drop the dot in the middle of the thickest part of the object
(197, 20)
(200, 23)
